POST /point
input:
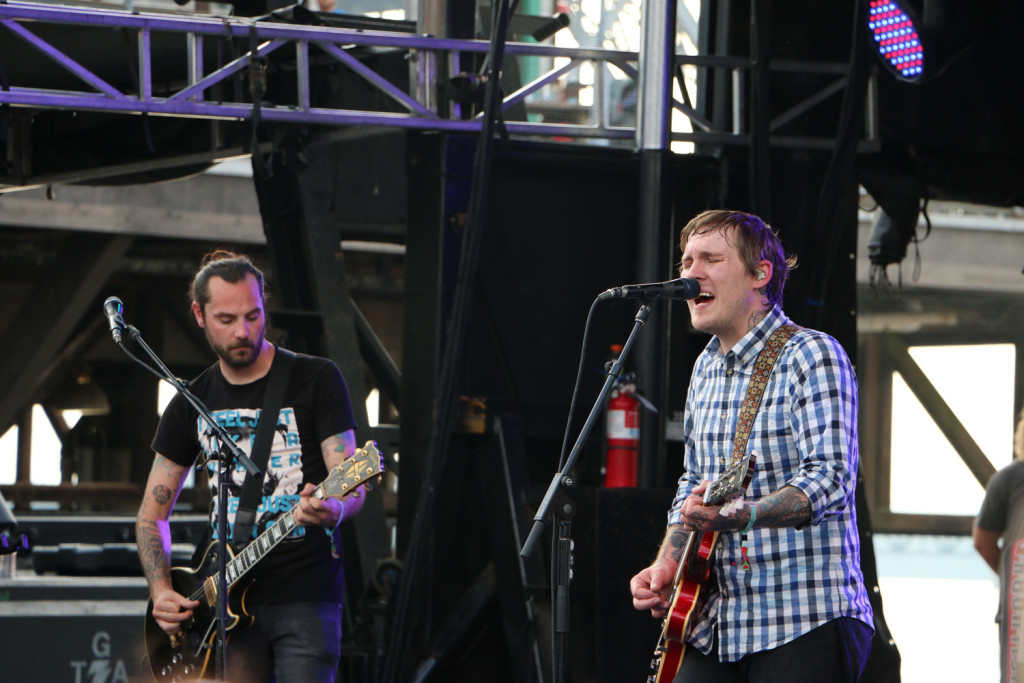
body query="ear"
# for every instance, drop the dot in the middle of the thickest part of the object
(197, 310)
(762, 274)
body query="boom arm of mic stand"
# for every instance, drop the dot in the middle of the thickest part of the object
(168, 376)
(562, 477)
(234, 454)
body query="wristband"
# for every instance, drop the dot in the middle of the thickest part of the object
(753, 518)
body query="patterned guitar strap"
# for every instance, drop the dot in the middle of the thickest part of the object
(752, 401)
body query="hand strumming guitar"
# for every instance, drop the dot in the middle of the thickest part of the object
(171, 609)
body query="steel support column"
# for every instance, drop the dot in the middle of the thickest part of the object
(657, 52)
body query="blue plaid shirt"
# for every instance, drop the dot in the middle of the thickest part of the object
(805, 435)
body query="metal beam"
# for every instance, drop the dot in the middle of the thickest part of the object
(163, 91)
(49, 314)
(947, 421)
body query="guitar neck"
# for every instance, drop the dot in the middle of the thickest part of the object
(241, 563)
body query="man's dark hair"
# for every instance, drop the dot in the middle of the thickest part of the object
(228, 266)
(756, 241)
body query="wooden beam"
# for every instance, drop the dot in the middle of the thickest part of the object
(51, 312)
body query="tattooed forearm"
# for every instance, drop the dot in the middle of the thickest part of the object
(152, 529)
(675, 542)
(785, 508)
(153, 552)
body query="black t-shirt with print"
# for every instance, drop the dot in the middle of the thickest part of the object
(316, 405)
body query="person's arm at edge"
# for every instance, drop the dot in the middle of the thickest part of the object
(153, 540)
(986, 542)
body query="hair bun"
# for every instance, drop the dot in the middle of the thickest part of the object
(217, 255)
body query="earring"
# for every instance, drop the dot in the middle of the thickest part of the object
(760, 275)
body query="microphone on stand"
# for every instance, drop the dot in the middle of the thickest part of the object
(112, 308)
(681, 288)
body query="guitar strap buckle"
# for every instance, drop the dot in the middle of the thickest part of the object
(244, 521)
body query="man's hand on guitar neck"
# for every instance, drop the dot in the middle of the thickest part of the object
(700, 517)
(787, 507)
(312, 511)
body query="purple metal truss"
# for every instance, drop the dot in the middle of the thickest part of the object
(428, 58)
(192, 98)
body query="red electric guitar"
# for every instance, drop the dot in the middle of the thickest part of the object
(694, 569)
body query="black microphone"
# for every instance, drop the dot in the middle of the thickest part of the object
(682, 288)
(112, 308)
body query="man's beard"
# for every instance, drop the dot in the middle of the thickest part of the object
(239, 361)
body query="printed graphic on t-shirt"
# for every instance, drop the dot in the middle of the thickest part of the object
(283, 473)
(1013, 629)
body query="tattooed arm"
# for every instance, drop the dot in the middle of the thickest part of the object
(330, 512)
(651, 587)
(153, 537)
(787, 507)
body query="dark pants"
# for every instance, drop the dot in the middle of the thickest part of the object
(293, 643)
(835, 652)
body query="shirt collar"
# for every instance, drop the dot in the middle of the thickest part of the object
(748, 348)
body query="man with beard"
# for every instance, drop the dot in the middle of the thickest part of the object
(298, 587)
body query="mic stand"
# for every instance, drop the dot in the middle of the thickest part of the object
(563, 560)
(228, 453)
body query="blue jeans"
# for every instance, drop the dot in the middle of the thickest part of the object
(291, 643)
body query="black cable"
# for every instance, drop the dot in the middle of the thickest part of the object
(417, 561)
(830, 199)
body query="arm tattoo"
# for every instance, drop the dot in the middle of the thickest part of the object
(787, 507)
(162, 494)
(338, 447)
(152, 554)
(334, 443)
(151, 527)
(675, 544)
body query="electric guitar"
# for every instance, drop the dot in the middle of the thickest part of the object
(186, 654)
(693, 571)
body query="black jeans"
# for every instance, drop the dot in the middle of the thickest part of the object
(835, 652)
(297, 642)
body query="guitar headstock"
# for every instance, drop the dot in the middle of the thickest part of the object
(344, 477)
(733, 482)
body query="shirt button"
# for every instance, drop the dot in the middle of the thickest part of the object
(725, 416)
(725, 592)
(728, 373)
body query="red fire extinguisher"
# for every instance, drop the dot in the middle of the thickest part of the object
(622, 436)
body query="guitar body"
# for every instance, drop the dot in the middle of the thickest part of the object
(685, 604)
(187, 654)
(693, 572)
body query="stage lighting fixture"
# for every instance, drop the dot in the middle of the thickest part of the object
(896, 38)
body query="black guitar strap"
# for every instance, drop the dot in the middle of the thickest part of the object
(249, 498)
